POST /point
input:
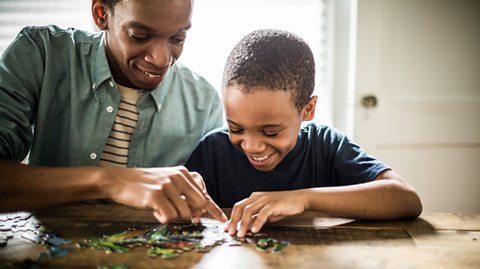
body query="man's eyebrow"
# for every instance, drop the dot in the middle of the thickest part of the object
(141, 26)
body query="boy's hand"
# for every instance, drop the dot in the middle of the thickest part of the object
(254, 211)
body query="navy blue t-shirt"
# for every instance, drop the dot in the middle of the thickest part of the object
(322, 157)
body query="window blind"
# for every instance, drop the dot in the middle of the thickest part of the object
(217, 26)
(16, 14)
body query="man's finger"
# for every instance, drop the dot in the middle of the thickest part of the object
(179, 203)
(163, 210)
(214, 210)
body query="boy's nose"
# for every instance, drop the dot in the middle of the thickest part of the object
(252, 145)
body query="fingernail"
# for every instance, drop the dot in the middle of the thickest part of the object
(195, 220)
(254, 229)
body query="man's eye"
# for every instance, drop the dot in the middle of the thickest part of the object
(178, 40)
(138, 38)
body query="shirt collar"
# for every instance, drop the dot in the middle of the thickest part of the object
(162, 89)
(100, 71)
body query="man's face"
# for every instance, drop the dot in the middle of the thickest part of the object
(144, 38)
(264, 124)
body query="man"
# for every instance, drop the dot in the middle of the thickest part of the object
(76, 100)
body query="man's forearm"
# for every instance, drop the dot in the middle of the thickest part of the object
(26, 187)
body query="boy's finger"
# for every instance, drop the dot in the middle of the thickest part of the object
(235, 216)
(261, 218)
(248, 216)
(227, 227)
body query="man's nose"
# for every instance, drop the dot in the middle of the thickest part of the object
(159, 55)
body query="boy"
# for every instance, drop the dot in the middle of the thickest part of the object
(267, 166)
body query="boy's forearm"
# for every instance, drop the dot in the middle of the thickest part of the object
(379, 200)
(25, 187)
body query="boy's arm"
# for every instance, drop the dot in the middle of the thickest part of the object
(172, 192)
(387, 197)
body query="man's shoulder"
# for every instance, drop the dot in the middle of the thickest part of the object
(191, 77)
(50, 34)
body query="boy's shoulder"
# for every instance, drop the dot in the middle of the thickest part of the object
(319, 130)
(216, 135)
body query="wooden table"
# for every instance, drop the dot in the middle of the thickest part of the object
(434, 240)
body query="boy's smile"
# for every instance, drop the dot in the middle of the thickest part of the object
(263, 123)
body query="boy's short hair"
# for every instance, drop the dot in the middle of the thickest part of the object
(274, 59)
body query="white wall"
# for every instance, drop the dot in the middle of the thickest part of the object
(421, 59)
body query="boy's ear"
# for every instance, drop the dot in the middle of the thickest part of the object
(309, 110)
(99, 13)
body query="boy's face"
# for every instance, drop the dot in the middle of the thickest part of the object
(144, 38)
(264, 124)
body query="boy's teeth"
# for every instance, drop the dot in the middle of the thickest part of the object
(259, 159)
(151, 75)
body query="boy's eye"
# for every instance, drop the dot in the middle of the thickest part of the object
(270, 134)
(235, 131)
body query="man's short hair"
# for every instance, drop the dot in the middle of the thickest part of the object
(110, 4)
(274, 59)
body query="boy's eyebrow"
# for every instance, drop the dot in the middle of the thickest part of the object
(272, 125)
(138, 25)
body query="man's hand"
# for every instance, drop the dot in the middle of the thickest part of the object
(252, 213)
(172, 192)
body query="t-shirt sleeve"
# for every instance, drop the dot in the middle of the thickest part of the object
(349, 163)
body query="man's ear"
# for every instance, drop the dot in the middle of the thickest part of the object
(309, 110)
(99, 13)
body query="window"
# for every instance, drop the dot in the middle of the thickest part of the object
(217, 26)
(16, 14)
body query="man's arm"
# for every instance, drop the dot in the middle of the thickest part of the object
(172, 192)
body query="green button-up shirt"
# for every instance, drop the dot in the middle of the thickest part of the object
(58, 101)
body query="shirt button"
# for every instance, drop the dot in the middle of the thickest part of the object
(109, 109)
(111, 83)
(159, 107)
(93, 155)
(93, 86)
